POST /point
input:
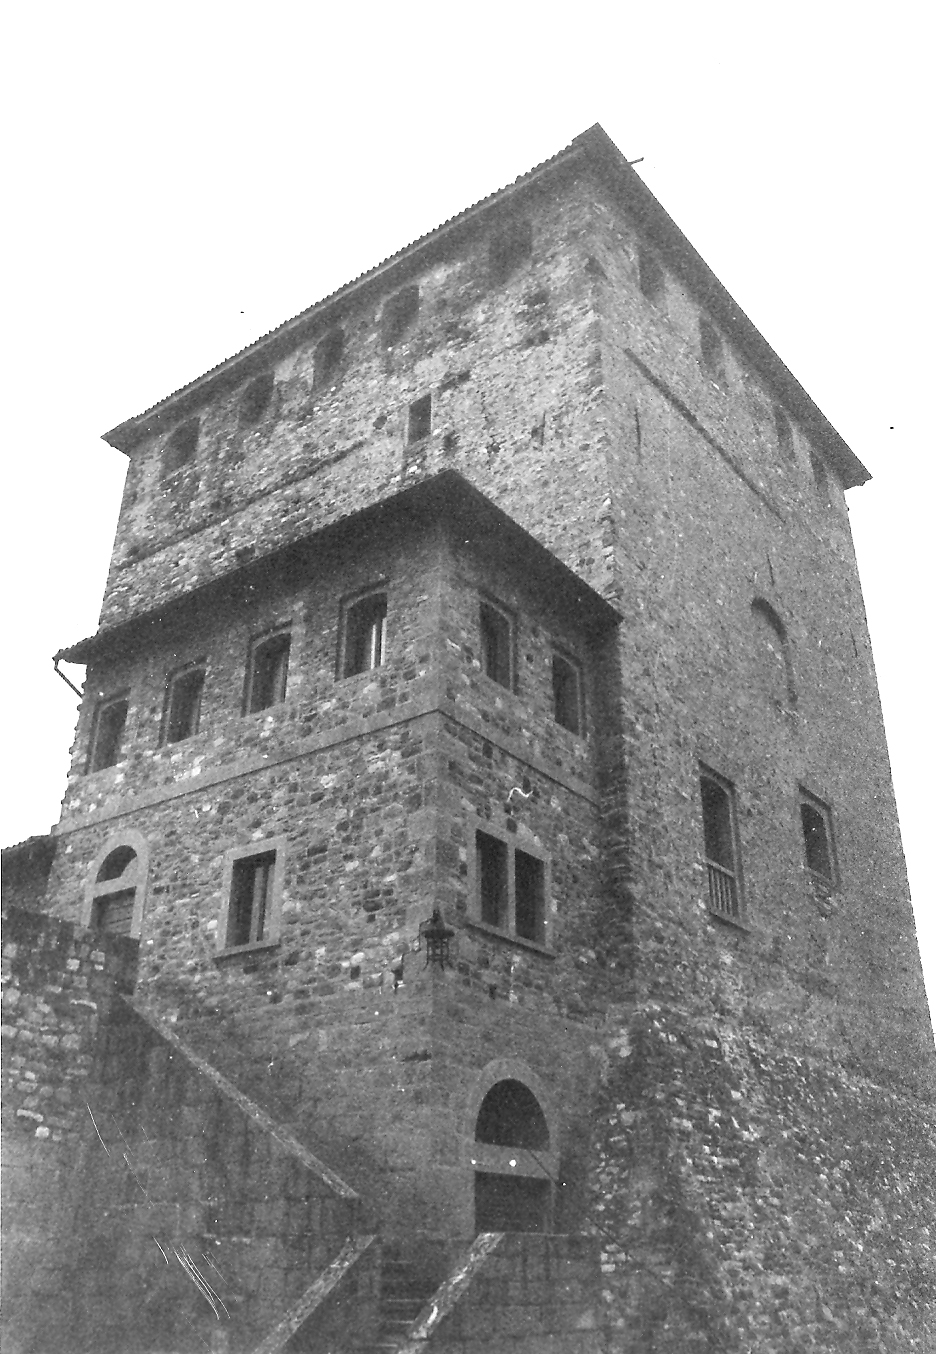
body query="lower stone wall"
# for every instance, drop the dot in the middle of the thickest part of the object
(152, 1207)
(760, 1202)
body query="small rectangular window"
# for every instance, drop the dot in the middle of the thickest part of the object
(183, 704)
(817, 838)
(419, 422)
(529, 897)
(365, 634)
(267, 670)
(107, 733)
(509, 887)
(496, 644)
(721, 855)
(567, 693)
(492, 879)
(249, 908)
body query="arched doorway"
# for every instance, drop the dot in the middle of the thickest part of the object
(512, 1158)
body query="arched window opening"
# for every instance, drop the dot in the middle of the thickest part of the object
(116, 864)
(511, 1116)
(775, 665)
(114, 895)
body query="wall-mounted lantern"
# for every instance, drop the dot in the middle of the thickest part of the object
(435, 938)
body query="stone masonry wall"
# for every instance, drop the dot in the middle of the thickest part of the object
(145, 1204)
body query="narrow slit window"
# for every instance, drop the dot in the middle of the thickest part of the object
(110, 719)
(651, 275)
(365, 634)
(720, 847)
(509, 249)
(399, 314)
(567, 693)
(492, 879)
(713, 351)
(249, 908)
(496, 644)
(419, 422)
(183, 704)
(269, 665)
(529, 897)
(817, 839)
(784, 434)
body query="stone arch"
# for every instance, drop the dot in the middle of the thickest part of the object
(510, 1139)
(115, 892)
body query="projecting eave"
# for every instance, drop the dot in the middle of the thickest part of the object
(594, 153)
(445, 496)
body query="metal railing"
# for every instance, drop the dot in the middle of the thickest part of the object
(722, 889)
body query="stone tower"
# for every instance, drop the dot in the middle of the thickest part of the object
(514, 582)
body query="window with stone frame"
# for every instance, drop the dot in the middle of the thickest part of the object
(363, 633)
(182, 711)
(115, 891)
(568, 691)
(252, 892)
(267, 670)
(720, 839)
(509, 885)
(818, 841)
(497, 642)
(107, 732)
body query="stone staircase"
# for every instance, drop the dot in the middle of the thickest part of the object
(405, 1288)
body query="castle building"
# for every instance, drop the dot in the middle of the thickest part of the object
(480, 789)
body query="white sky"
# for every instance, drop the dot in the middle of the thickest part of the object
(183, 177)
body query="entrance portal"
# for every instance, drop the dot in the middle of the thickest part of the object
(512, 1191)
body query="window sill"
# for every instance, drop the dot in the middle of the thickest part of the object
(510, 936)
(739, 923)
(238, 951)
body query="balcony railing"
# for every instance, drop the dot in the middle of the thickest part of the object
(722, 890)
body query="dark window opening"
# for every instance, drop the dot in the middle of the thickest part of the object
(509, 249)
(328, 354)
(496, 644)
(183, 705)
(256, 398)
(713, 351)
(114, 913)
(529, 897)
(399, 313)
(720, 855)
(269, 663)
(511, 1116)
(107, 735)
(116, 864)
(817, 841)
(651, 274)
(492, 879)
(419, 422)
(784, 434)
(251, 893)
(775, 665)
(180, 447)
(365, 634)
(820, 471)
(567, 693)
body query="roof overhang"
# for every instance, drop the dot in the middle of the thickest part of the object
(444, 496)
